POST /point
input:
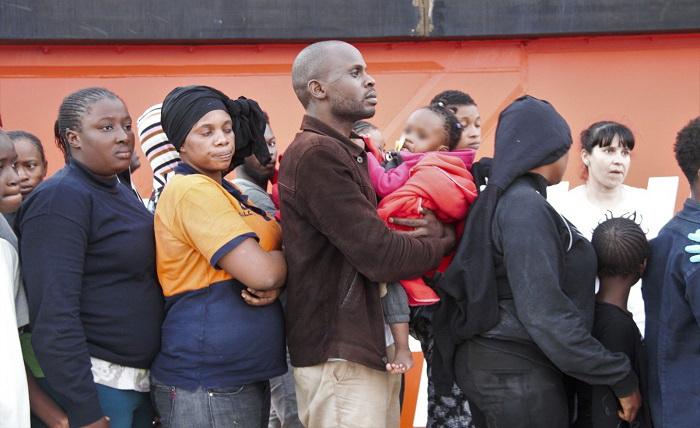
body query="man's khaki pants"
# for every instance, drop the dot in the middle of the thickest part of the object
(347, 394)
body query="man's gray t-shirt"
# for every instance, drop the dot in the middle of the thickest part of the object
(257, 195)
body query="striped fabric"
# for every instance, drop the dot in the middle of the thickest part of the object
(160, 153)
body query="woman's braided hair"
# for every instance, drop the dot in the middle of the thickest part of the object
(71, 111)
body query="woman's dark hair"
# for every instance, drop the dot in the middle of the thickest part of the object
(687, 149)
(71, 112)
(452, 127)
(452, 97)
(362, 126)
(601, 134)
(621, 246)
(33, 139)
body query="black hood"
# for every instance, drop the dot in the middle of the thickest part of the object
(530, 133)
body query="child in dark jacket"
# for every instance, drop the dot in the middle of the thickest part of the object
(433, 176)
(622, 250)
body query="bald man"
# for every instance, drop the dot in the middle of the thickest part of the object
(338, 249)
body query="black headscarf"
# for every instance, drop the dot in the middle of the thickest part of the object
(183, 107)
(530, 133)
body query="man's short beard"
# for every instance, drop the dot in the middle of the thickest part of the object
(350, 111)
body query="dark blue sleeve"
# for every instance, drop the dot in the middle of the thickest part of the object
(53, 247)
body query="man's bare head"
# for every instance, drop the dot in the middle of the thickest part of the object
(333, 73)
(311, 64)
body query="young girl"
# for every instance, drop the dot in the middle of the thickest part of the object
(31, 161)
(467, 113)
(622, 250)
(438, 180)
(14, 402)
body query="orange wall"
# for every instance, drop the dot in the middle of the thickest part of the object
(651, 83)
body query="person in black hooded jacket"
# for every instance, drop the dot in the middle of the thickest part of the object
(517, 302)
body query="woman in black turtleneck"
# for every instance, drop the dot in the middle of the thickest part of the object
(88, 261)
(517, 303)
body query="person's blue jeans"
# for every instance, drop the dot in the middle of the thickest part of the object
(242, 406)
(124, 408)
(283, 400)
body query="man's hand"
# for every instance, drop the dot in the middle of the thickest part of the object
(630, 406)
(260, 298)
(428, 227)
(694, 249)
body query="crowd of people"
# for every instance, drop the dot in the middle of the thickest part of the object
(286, 298)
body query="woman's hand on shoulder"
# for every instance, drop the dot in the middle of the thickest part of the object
(259, 297)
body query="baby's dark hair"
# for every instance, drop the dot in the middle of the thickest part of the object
(687, 149)
(362, 126)
(621, 246)
(601, 134)
(452, 97)
(452, 127)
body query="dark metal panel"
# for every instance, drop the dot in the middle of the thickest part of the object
(227, 21)
(203, 21)
(508, 18)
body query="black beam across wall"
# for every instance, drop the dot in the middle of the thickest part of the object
(231, 21)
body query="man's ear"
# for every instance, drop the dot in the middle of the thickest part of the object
(443, 148)
(73, 139)
(643, 267)
(316, 89)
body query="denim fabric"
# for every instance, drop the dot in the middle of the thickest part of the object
(395, 304)
(283, 400)
(671, 289)
(246, 406)
(125, 408)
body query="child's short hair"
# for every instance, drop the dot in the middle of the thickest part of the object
(620, 245)
(452, 97)
(687, 149)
